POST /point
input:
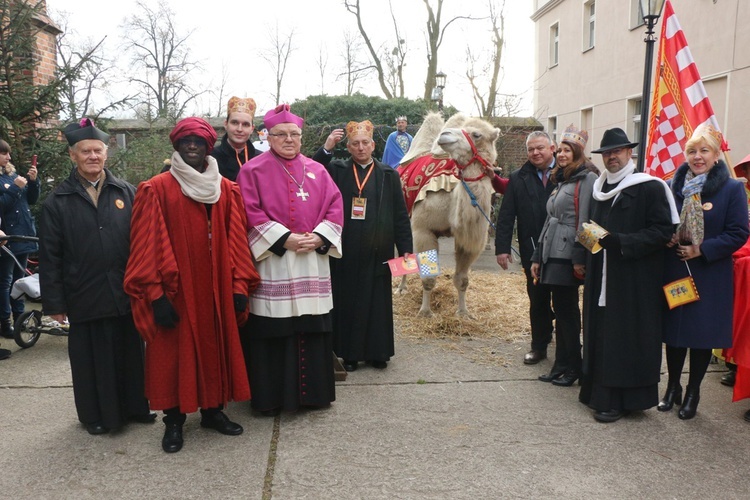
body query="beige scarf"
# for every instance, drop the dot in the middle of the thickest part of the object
(203, 187)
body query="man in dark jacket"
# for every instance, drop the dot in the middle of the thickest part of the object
(236, 148)
(375, 220)
(623, 297)
(84, 247)
(525, 202)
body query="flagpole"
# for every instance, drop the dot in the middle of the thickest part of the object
(650, 20)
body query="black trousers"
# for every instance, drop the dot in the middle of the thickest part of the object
(106, 362)
(567, 329)
(540, 312)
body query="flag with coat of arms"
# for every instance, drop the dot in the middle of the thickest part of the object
(680, 102)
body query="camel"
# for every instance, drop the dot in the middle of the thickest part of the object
(461, 148)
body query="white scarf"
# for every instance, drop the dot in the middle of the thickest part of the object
(625, 178)
(203, 187)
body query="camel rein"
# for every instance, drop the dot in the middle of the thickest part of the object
(461, 168)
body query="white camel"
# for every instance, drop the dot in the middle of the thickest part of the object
(442, 206)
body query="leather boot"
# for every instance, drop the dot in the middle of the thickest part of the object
(6, 328)
(690, 405)
(671, 397)
(172, 440)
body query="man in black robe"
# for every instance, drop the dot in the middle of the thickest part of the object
(375, 220)
(84, 239)
(236, 147)
(623, 298)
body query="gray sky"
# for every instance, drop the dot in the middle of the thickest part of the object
(231, 34)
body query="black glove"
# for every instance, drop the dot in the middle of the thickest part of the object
(611, 242)
(164, 312)
(240, 302)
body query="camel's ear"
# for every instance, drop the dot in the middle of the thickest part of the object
(496, 134)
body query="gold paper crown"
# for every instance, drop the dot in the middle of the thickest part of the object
(359, 128)
(574, 135)
(239, 105)
(705, 129)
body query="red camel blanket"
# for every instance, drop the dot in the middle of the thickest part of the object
(417, 173)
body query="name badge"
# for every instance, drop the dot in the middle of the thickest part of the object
(359, 208)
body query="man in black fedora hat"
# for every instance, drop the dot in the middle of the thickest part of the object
(622, 298)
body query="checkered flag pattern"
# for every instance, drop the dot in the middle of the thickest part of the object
(428, 263)
(680, 102)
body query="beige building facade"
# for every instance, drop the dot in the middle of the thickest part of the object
(589, 64)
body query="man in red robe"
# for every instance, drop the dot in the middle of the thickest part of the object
(189, 276)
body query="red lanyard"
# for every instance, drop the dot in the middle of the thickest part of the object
(356, 178)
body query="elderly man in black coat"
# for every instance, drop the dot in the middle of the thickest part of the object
(375, 221)
(623, 298)
(524, 203)
(84, 239)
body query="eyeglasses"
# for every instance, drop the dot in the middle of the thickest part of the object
(612, 152)
(293, 136)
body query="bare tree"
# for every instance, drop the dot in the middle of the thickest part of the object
(354, 70)
(397, 59)
(489, 107)
(277, 56)
(322, 61)
(219, 92)
(162, 51)
(435, 35)
(93, 74)
(353, 6)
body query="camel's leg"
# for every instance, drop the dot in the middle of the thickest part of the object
(464, 259)
(425, 240)
(402, 286)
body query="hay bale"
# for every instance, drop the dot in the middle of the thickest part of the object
(497, 302)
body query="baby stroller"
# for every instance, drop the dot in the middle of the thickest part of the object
(31, 324)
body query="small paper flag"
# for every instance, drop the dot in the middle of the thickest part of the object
(404, 265)
(428, 263)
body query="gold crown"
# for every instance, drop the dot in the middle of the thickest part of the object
(400, 118)
(705, 129)
(239, 105)
(574, 135)
(359, 128)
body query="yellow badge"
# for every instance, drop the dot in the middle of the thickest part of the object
(120, 204)
(311, 175)
(708, 205)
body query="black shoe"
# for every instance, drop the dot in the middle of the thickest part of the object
(690, 406)
(350, 365)
(380, 365)
(533, 357)
(729, 378)
(6, 328)
(549, 377)
(672, 397)
(566, 380)
(220, 422)
(5, 353)
(96, 428)
(609, 415)
(172, 440)
(747, 416)
(145, 418)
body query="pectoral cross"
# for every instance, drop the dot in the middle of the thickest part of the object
(302, 194)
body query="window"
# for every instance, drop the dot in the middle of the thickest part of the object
(587, 116)
(634, 123)
(554, 44)
(552, 128)
(589, 28)
(636, 14)
(122, 141)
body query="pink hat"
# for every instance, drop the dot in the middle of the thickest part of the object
(281, 114)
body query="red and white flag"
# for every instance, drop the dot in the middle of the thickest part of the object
(679, 103)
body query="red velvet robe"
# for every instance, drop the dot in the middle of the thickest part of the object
(199, 363)
(740, 351)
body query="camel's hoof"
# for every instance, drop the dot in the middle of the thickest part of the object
(464, 314)
(400, 291)
(425, 313)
